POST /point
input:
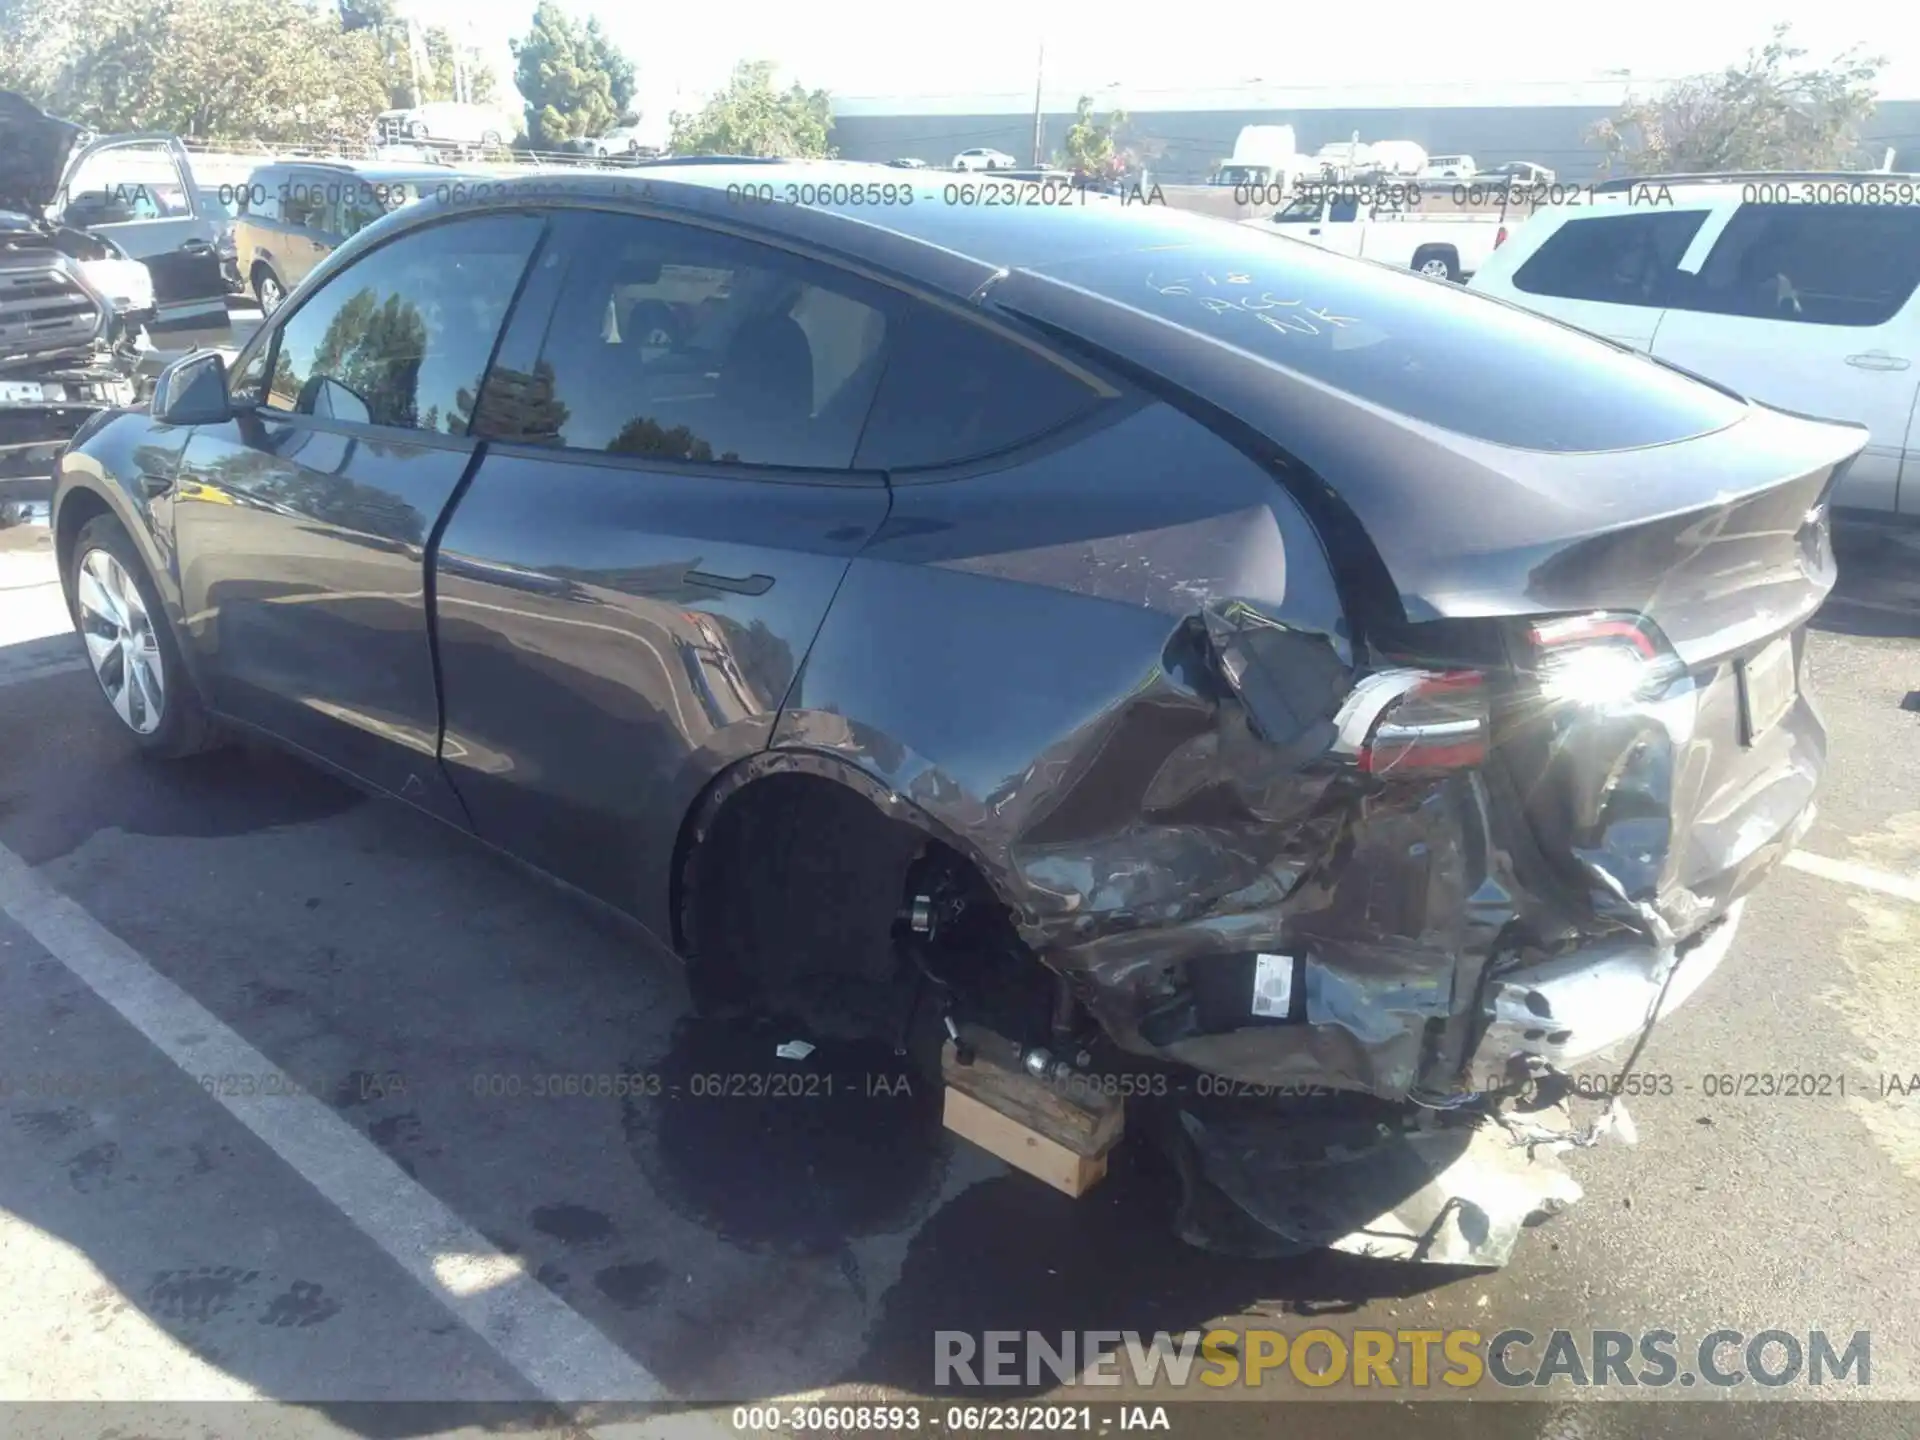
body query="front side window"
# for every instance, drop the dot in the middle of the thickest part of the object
(401, 337)
(1810, 265)
(1612, 259)
(680, 344)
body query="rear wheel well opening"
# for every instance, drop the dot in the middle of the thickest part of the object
(791, 898)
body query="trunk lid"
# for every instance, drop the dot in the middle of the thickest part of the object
(1487, 469)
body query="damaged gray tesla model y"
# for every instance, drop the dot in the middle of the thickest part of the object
(1333, 701)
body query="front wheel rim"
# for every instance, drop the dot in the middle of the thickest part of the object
(121, 643)
(269, 296)
(1436, 268)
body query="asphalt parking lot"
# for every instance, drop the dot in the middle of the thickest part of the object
(276, 1122)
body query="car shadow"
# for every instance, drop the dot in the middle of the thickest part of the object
(1877, 594)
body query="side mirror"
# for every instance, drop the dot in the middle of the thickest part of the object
(193, 391)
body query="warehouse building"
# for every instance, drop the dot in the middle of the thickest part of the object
(1181, 136)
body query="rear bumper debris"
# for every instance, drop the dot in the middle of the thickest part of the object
(1575, 1006)
(1440, 1188)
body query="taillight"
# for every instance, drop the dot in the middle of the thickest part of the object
(1601, 659)
(1499, 237)
(1398, 722)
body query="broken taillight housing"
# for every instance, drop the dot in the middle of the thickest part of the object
(1601, 659)
(1397, 722)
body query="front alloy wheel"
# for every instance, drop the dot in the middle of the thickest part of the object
(270, 295)
(121, 643)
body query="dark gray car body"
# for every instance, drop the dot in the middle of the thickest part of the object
(1124, 669)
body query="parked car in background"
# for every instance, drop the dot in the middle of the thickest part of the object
(404, 154)
(1521, 172)
(907, 162)
(223, 179)
(621, 140)
(1447, 167)
(296, 211)
(105, 255)
(1385, 224)
(850, 633)
(981, 159)
(448, 122)
(1760, 282)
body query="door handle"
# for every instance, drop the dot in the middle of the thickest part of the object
(738, 584)
(197, 247)
(1878, 360)
(1314, 231)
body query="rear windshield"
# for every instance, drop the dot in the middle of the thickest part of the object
(1428, 349)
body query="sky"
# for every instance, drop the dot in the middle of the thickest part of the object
(869, 53)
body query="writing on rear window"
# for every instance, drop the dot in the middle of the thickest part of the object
(1295, 317)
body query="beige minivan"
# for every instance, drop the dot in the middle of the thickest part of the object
(294, 212)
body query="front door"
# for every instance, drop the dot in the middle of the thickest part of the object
(632, 580)
(1812, 308)
(303, 526)
(139, 192)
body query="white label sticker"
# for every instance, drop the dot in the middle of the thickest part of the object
(1273, 985)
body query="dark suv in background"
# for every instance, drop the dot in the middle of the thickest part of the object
(293, 214)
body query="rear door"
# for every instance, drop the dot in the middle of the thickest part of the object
(1605, 270)
(302, 526)
(666, 507)
(140, 192)
(1812, 307)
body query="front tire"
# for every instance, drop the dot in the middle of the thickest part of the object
(267, 289)
(131, 645)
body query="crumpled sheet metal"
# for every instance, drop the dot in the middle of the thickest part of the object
(1458, 1192)
(1676, 838)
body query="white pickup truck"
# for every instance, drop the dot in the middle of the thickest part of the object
(1395, 224)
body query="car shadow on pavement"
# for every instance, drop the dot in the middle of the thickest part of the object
(1877, 595)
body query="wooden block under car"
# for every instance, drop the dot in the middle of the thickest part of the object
(1051, 1131)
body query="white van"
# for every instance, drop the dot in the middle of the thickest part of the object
(1798, 291)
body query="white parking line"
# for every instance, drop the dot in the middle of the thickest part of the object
(1865, 876)
(559, 1353)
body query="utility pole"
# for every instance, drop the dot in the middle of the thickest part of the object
(1039, 116)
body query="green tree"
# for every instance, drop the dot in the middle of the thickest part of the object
(1768, 113)
(575, 81)
(373, 347)
(750, 117)
(1092, 149)
(132, 64)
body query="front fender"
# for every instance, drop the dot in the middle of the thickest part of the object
(111, 461)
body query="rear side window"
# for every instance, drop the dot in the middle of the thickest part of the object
(955, 391)
(1612, 259)
(1810, 265)
(1429, 350)
(303, 200)
(677, 343)
(400, 336)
